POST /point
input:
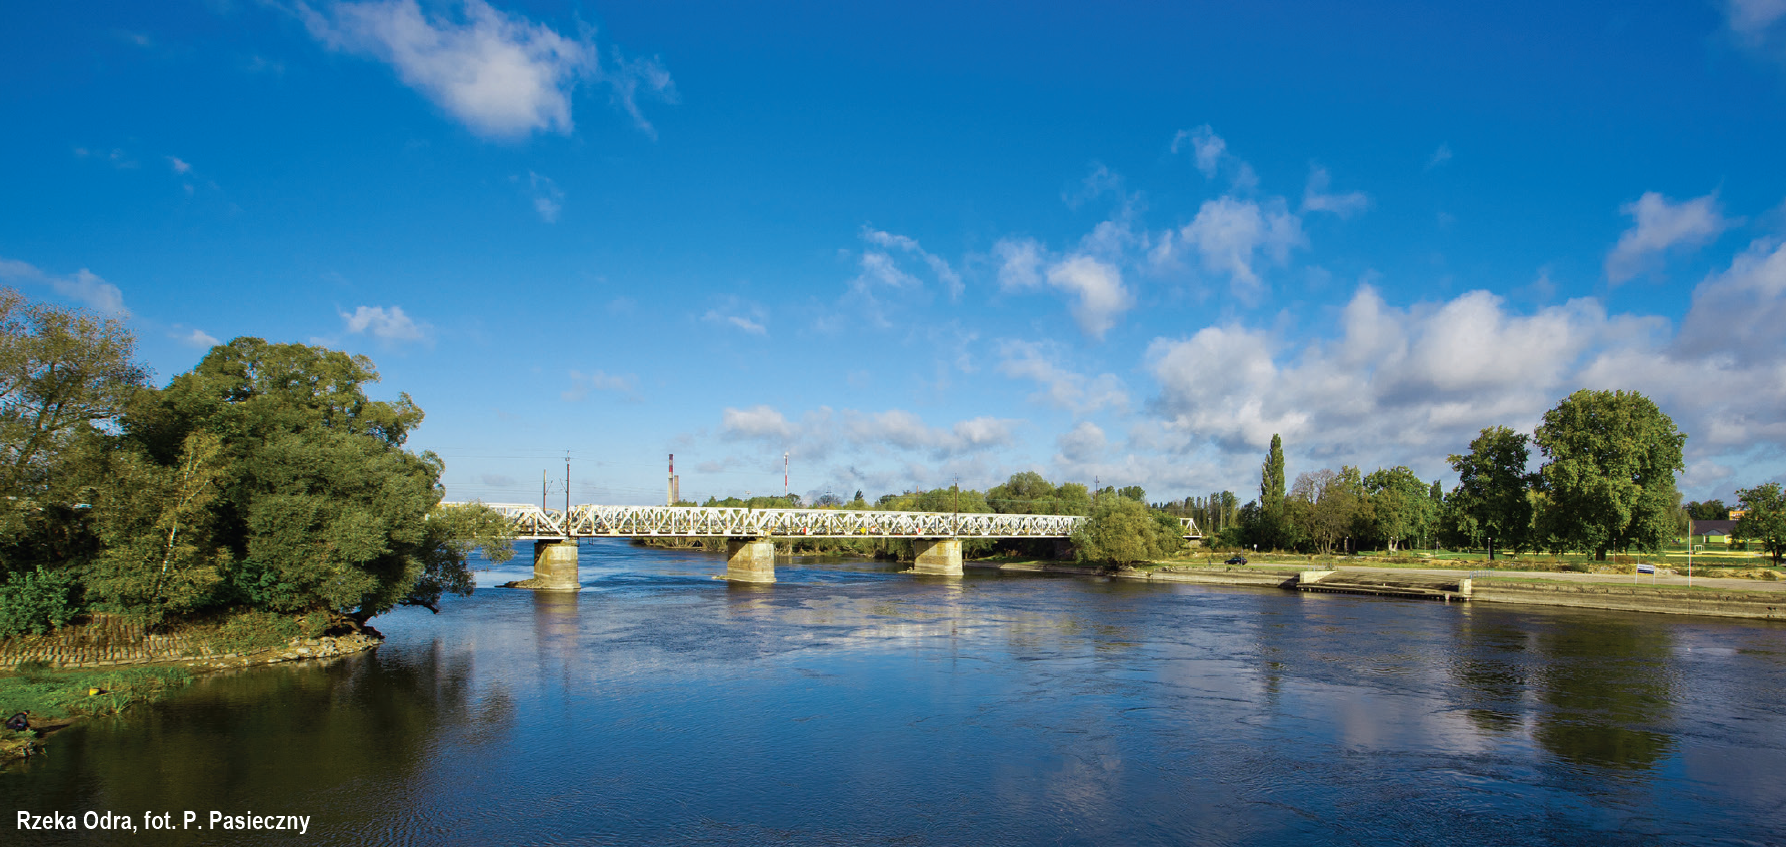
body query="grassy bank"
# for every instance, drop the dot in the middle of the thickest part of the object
(56, 698)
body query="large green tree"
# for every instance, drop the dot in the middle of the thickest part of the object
(318, 504)
(1029, 493)
(63, 372)
(1273, 524)
(1609, 475)
(1401, 507)
(1123, 531)
(1492, 485)
(1764, 518)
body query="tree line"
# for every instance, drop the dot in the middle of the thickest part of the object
(1606, 483)
(264, 479)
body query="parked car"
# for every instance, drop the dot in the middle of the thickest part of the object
(1236, 560)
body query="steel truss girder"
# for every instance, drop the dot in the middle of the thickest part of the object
(592, 521)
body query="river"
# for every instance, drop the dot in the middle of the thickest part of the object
(853, 704)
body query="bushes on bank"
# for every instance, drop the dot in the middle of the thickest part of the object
(37, 601)
(1122, 531)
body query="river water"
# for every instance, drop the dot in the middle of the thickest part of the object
(853, 704)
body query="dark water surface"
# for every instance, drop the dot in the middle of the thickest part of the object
(851, 704)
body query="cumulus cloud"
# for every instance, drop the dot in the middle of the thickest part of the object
(895, 431)
(1061, 388)
(1315, 198)
(1083, 444)
(1661, 226)
(583, 383)
(1737, 315)
(384, 324)
(1099, 289)
(82, 286)
(179, 165)
(1230, 234)
(1413, 382)
(1410, 385)
(1096, 285)
(501, 75)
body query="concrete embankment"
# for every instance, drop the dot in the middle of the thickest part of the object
(1451, 587)
(1634, 598)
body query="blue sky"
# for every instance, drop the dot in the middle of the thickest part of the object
(912, 243)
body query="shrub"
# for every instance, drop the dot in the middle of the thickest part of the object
(252, 631)
(37, 601)
(1121, 531)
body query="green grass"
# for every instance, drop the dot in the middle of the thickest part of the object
(60, 694)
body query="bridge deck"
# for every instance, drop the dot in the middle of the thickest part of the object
(592, 521)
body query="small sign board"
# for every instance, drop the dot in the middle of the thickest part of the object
(1645, 567)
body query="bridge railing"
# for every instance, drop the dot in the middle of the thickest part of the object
(594, 521)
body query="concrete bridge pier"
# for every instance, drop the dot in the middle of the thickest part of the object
(554, 566)
(750, 560)
(937, 556)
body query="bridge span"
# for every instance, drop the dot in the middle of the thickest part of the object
(750, 533)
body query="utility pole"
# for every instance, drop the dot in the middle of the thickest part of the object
(784, 473)
(958, 504)
(567, 493)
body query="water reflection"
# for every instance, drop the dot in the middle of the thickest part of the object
(852, 703)
(1606, 684)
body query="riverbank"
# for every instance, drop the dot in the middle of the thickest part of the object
(103, 666)
(1731, 598)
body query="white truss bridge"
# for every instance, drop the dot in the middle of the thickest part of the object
(530, 521)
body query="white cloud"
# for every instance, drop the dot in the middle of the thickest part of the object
(501, 75)
(1399, 386)
(1753, 18)
(1229, 232)
(894, 431)
(1097, 284)
(1738, 315)
(740, 314)
(631, 77)
(1083, 444)
(385, 324)
(1660, 226)
(1316, 199)
(196, 338)
(1205, 145)
(1019, 263)
(83, 286)
(179, 166)
(880, 268)
(1061, 388)
(756, 422)
(583, 383)
(1410, 385)
(548, 198)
